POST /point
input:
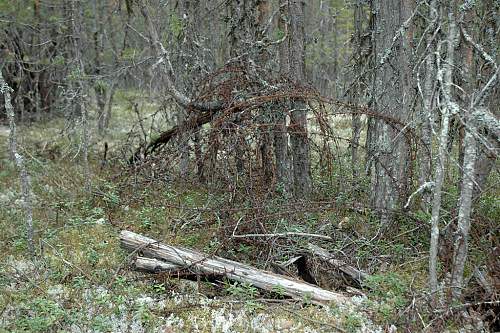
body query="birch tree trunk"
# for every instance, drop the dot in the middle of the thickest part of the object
(77, 35)
(19, 160)
(450, 107)
(464, 213)
(357, 89)
(425, 151)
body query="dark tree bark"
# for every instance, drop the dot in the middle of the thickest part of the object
(298, 116)
(392, 98)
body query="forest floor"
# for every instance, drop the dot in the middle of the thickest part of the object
(4, 131)
(82, 281)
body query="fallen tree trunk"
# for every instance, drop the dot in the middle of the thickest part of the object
(166, 136)
(323, 254)
(233, 270)
(155, 265)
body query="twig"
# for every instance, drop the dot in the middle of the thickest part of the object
(284, 234)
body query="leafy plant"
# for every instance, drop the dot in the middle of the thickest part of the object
(41, 315)
(279, 290)
(387, 295)
(243, 291)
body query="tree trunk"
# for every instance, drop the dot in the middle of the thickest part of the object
(100, 88)
(281, 149)
(76, 14)
(393, 99)
(445, 77)
(298, 117)
(426, 116)
(19, 160)
(464, 212)
(356, 89)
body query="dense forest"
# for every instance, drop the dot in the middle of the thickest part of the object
(249, 166)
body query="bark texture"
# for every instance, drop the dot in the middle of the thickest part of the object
(392, 98)
(449, 108)
(298, 116)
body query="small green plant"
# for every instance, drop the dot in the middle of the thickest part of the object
(387, 295)
(120, 282)
(79, 282)
(307, 298)
(158, 288)
(352, 322)
(144, 314)
(212, 246)
(100, 323)
(244, 249)
(41, 315)
(243, 291)
(279, 290)
(92, 256)
(192, 240)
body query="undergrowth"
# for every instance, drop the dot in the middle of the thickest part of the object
(82, 281)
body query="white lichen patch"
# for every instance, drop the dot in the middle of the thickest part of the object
(133, 306)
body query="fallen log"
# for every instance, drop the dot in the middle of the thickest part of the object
(155, 266)
(166, 136)
(349, 270)
(187, 258)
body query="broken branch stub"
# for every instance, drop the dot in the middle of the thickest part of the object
(352, 272)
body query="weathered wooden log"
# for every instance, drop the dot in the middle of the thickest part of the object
(155, 265)
(323, 254)
(231, 269)
(152, 265)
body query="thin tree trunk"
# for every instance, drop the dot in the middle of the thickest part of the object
(445, 77)
(281, 151)
(356, 90)
(464, 212)
(188, 10)
(19, 160)
(425, 151)
(470, 154)
(99, 86)
(262, 12)
(80, 98)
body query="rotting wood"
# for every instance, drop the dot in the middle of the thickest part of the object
(152, 265)
(233, 270)
(323, 254)
(155, 265)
